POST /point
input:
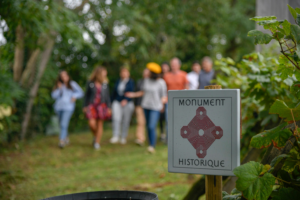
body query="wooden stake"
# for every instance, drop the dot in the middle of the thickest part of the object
(213, 184)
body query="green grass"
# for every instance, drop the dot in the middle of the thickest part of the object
(40, 169)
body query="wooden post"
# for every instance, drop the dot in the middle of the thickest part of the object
(213, 184)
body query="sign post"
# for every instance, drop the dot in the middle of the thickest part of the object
(204, 134)
(213, 183)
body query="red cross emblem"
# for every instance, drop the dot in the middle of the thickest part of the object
(201, 132)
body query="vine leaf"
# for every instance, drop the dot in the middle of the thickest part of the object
(269, 24)
(292, 11)
(232, 197)
(292, 161)
(277, 159)
(286, 26)
(295, 31)
(251, 184)
(263, 18)
(265, 169)
(284, 71)
(286, 193)
(298, 19)
(260, 37)
(280, 108)
(275, 135)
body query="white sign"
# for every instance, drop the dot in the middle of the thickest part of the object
(204, 131)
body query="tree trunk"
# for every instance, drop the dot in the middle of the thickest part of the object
(19, 53)
(30, 66)
(45, 56)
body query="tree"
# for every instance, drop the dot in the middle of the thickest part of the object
(35, 36)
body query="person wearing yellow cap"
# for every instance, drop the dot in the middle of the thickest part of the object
(154, 94)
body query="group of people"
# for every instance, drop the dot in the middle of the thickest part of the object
(148, 98)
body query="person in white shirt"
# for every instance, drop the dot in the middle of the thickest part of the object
(193, 76)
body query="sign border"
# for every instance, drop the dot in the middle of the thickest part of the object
(234, 94)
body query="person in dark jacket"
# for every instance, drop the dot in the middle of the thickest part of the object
(97, 104)
(122, 107)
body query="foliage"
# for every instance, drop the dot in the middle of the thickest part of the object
(117, 33)
(289, 114)
(278, 136)
(255, 180)
(260, 86)
(50, 19)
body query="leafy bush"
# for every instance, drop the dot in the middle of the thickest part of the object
(280, 178)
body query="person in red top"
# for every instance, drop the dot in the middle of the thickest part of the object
(176, 79)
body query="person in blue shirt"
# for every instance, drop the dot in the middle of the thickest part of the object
(65, 94)
(122, 107)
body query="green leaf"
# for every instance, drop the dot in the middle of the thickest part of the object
(295, 89)
(298, 19)
(232, 197)
(265, 169)
(277, 159)
(235, 191)
(297, 10)
(251, 184)
(263, 18)
(280, 108)
(281, 30)
(292, 161)
(277, 136)
(278, 35)
(260, 37)
(286, 26)
(285, 71)
(297, 75)
(298, 51)
(269, 24)
(287, 193)
(292, 11)
(224, 193)
(295, 31)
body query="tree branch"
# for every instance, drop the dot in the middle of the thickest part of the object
(30, 66)
(19, 53)
(45, 56)
(79, 8)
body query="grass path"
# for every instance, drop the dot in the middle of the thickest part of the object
(40, 169)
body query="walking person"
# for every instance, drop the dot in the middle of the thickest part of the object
(154, 96)
(175, 80)
(193, 76)
(122, 107)
(140, 116)
(97, 104)
(65, 94)
(165, 68)
(207, 73)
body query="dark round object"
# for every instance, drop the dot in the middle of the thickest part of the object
(108, 195)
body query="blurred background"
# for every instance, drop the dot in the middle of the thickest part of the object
(39, 38)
